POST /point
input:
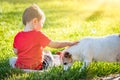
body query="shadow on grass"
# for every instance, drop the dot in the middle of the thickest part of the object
(98, 14)
(95, 16)
(6, 70)
(3, 68)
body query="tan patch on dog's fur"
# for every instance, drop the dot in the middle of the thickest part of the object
(119, 35)
(67, 57)
(118, 58)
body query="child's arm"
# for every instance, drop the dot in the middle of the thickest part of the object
(15, 51)
(57, 44)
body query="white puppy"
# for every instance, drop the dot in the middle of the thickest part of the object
(105, 48)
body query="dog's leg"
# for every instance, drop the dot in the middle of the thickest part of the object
(85, 64)
(87, 58)
(118, 58)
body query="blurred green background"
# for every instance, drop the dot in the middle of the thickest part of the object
(66, 20)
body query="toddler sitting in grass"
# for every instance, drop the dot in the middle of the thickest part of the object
(29, 44)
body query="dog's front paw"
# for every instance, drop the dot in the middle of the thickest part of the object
(81, 70)
(65, 68)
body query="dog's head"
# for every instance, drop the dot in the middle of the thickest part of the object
(66, 59)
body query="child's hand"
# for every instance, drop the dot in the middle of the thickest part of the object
(74, 43)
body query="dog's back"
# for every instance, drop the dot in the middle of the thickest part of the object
(105, 48)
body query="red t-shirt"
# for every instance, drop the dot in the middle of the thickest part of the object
(30, 46)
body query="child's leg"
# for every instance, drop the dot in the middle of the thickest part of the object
(48, 60)
(12, 61)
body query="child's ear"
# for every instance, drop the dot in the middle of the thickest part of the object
(34, 21)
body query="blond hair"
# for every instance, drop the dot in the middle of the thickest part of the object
(32, 12)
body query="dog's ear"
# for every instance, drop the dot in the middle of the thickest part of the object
(67, 55)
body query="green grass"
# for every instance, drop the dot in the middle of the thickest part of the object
(66, 20)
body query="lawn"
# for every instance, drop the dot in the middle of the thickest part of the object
(66, 20)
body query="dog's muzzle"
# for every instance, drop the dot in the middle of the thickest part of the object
(65, 63)
(66, 66)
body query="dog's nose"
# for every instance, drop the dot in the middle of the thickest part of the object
(65, 63)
